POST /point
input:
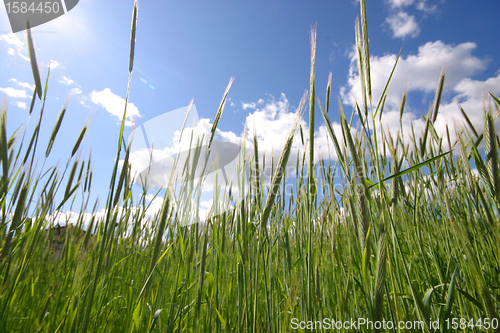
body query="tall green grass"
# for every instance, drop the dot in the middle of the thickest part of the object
(411, 232)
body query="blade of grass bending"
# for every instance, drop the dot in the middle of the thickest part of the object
(382, 107)
(16, 219)
(219, 112)
(495, 98)
(413, 168)
(331, 132)
(155, 320)
(427, 299)
(439, 92)
(469, 123)
(56, 128)
(32, 105)
(387, 84)
(365, 127)
(79, 140)
(70, 179)
(34, 63)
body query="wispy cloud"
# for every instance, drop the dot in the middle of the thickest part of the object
(14, 41)
(21, 105)
(421, 5)
(403, 25)
(54, 64)
(400, 22)
(23, 84)
(115, 105)
(252, 105)
(76, 91)
(67, 81)
(14, 93)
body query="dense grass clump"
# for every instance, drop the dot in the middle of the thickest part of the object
(412, 234)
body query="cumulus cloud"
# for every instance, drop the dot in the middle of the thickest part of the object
(13, 41)
(14, 93)
(270, 120)
(420, 73)
(252, 105)
(67, 81)
(416, 72)
(115, 105)
(403, 25)
(23, 84)
(421, 5)
(54, 64)
(21, 105)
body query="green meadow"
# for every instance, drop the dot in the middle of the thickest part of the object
(410, 231)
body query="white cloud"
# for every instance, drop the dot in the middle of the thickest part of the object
(400, 3)
(15, 93)
(403, 25)
(115, 105)
(420, 72)
(67, 81)
(76, 91)
(422, 6)
(73, 218)
(419, 4)
(12, 39)
(23, 84)
(54, 64)
(21, 105)
(271, 123)
(252, 105)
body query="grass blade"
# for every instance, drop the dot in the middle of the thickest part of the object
(34, 63)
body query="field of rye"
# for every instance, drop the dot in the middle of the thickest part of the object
(413, 234)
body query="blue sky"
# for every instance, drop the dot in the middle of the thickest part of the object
(190, 49)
